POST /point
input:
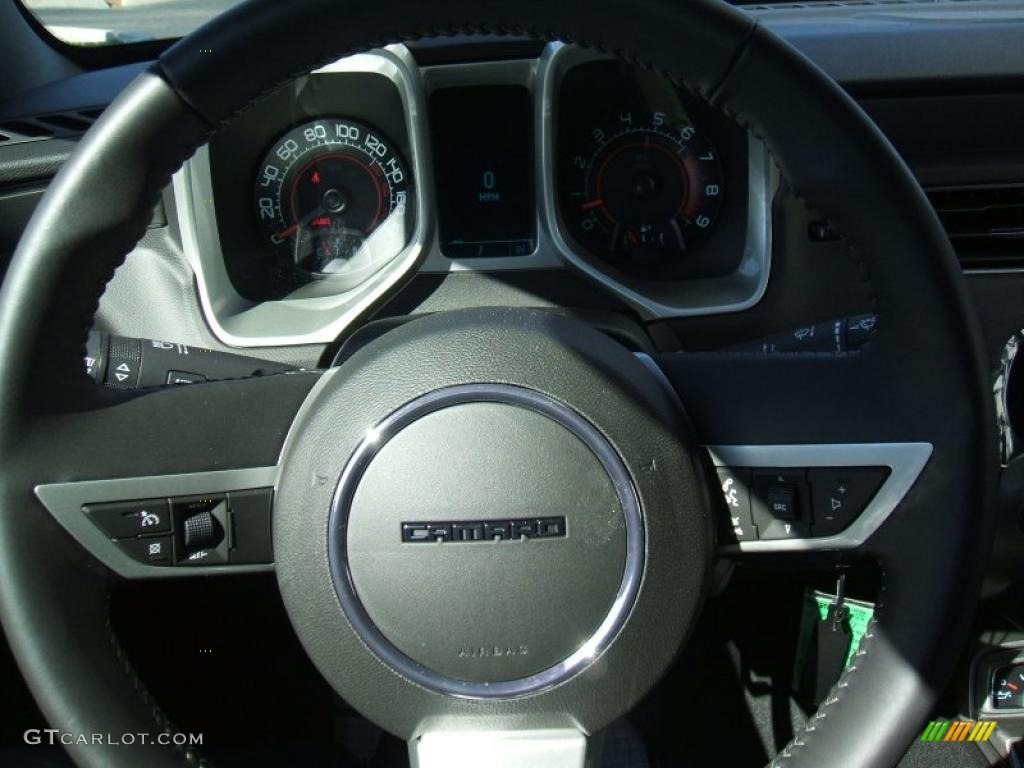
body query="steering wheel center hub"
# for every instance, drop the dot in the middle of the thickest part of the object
(486, 539)
(491, 508)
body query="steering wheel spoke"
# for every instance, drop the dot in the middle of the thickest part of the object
(176, 482)
(550, 747)
(786, 484)
(165, 526)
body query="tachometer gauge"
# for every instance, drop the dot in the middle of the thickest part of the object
(643, 193)
(331, 200)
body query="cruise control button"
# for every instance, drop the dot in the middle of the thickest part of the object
(155, 550)
(782, 529)
(738, 525)
(840, 494)
(131, 518)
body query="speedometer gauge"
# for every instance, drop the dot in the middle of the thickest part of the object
(331, 199)
(643, 193)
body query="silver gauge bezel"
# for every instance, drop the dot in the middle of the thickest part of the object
(734, 292)
(320, 319)
(239, 322)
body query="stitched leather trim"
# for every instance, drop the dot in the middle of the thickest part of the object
(810, 729)
(163, 723)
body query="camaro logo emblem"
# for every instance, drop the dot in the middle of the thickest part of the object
(484, 530)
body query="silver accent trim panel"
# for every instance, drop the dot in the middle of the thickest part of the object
(731, 293)
(337, 545)
(550, 748)
(312, 320)
(65, 500)
(905, 460)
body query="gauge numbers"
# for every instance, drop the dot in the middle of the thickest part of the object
(331, 200)
(643, 191)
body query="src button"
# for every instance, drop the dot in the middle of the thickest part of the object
(780, 496)
(782, 501)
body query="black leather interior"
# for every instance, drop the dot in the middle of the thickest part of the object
(924, 367)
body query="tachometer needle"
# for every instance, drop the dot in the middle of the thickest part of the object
(1011, 685)
(592, 204)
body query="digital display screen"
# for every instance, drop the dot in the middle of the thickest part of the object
(483, 164)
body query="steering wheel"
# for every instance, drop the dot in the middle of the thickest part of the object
(493, 424)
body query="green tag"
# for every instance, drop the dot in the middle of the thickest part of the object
(858, 614)
(813, 618)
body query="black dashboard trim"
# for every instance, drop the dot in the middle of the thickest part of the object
(854, 44)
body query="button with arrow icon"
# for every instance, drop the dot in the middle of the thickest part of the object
(123, 374)
(840, 494)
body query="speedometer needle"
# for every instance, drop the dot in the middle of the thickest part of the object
(284, 234)
(592, 204)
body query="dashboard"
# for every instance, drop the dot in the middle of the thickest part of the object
(309, 207)
(406, 182)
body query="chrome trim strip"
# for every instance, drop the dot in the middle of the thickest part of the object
(731, 293)
(337, 547)
(314, 320)
(549, 747)
(905, 460)
(65, 500)
(993, 270)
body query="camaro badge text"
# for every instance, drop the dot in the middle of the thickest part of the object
(484, 530)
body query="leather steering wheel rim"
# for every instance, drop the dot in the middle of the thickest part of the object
(924, 364)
